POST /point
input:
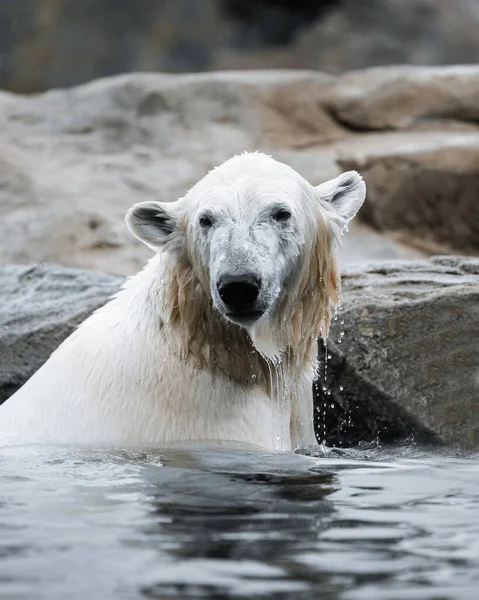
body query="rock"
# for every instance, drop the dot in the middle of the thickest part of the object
(408, 363)
(61, 43)
(362, 244)
(40, 307)
(424, 190)
(73, 161)
(402, 97)
(356, 34)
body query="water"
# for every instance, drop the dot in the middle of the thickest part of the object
(237, 523)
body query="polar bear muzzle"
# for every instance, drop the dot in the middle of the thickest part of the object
(239, 295)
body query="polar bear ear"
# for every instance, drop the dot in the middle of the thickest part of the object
(345, 194)
(154, 223)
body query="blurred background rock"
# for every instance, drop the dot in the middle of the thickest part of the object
(60, 43)
(72, 160)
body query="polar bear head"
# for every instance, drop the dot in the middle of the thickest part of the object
(257, 240)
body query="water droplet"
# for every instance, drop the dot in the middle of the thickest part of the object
(328, 392)
(331, 405)
(329, 356)
(341, 388)
(342, 334)
(339, 340)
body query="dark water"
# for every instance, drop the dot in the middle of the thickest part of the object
(228, 523)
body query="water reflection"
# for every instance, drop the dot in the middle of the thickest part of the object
(237, 523)
(211, 519)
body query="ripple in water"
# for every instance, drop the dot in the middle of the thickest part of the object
(198, 522)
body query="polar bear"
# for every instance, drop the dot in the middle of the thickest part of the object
(215, 339)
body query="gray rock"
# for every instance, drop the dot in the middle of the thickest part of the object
(356, 34)
(408, 363)
(60, 43)
(405, 97)
(73, 161)
(40, 306)
(362, 33)
(424, 190)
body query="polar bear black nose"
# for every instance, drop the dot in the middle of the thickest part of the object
(239, 292)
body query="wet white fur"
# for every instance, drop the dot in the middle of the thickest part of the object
(125, 377)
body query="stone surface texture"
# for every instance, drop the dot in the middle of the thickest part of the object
(408, 362)
(40, 306)
(72, 161)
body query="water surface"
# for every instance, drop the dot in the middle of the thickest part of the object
(237, 523)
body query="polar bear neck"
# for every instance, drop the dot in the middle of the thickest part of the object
(201, 334)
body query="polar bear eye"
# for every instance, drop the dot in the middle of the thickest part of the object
(206, 221)
(282, 214)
